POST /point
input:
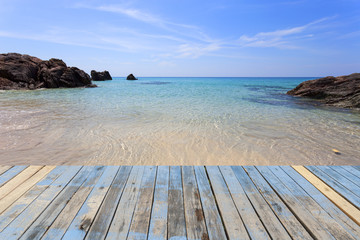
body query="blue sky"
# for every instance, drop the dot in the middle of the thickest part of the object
(188, 38)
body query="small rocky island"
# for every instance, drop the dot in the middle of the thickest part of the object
(342, 91)
(100, 76)
(19, 71)
(131, 77)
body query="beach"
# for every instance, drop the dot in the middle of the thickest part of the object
(176, 121)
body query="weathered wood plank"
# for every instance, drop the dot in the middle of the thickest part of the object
(357, 168)
(119, 227)
(303, 214)
(350, 176)
(194, 216)
(158, 220)
(176, 212)
(9, 174)
(276, 217)
(323, 201)
(251, 220)
(336, 198)
(353, 172)
(17, 180)
(82, 221)
(18, 226)
(140, 222)
(48, 216)
(213, 220)
(233, 223)
(9, 199)
(4, 169)
(346, 193)
(107, 209)
(326, 220)
(63, 220)
(17, 207)
(342, 180)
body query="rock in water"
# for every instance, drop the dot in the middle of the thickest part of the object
(131, 77)
(100, 76)
(342, 91)
(26, 72)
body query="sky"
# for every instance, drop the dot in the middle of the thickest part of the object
(199, 38)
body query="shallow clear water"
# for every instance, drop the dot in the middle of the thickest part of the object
(175, 121)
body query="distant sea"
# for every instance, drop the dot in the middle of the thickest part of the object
(175, 121)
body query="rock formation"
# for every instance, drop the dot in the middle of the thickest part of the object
(131, 77)
(26, 72)
(342, 91)
(100, 76)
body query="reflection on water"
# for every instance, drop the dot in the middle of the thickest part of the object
(189, 121)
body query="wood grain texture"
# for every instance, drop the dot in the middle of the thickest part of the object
(21, 223)
(349, 176)
(176, 212)
(48, 216)
(343, 180)
(233, 223)
(58, 228)
(10, 173)
(140, 222)
(82, 221)
(276, 217)
(335, 185)
(10, 198)
(320, 214)
(4, 169)
(120, 224)
(107, 209)
(350, 173)
(336, 198)
(213, 220)
(178, 203)
(194, 215)
(251, 219)
(18, 179)
(158, 221)
(323, 201)
(301, 211)
(19, 205)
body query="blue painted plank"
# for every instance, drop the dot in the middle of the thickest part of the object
(19, 225)
(82, 221)
(331, 171)
(107, 209)
(158, 221)
(48, 216)
(19, 205)
(277, 218)
(324, 202)
(9, 174)
(140, 223)
(338, 187)
(319, 213)
(176, 214)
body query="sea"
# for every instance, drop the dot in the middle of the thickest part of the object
(176, 121)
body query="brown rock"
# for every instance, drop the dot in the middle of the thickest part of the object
(131, 77)
(26, 72)
(342, 91)
(100, 76)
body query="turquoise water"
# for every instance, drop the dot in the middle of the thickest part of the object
(175, 121)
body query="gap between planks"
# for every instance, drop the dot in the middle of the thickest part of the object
(347, 207)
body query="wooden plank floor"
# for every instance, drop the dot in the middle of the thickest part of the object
(174, 202)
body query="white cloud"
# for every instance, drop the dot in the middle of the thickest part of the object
(279, 38)
(180, 29)
(196, 50)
